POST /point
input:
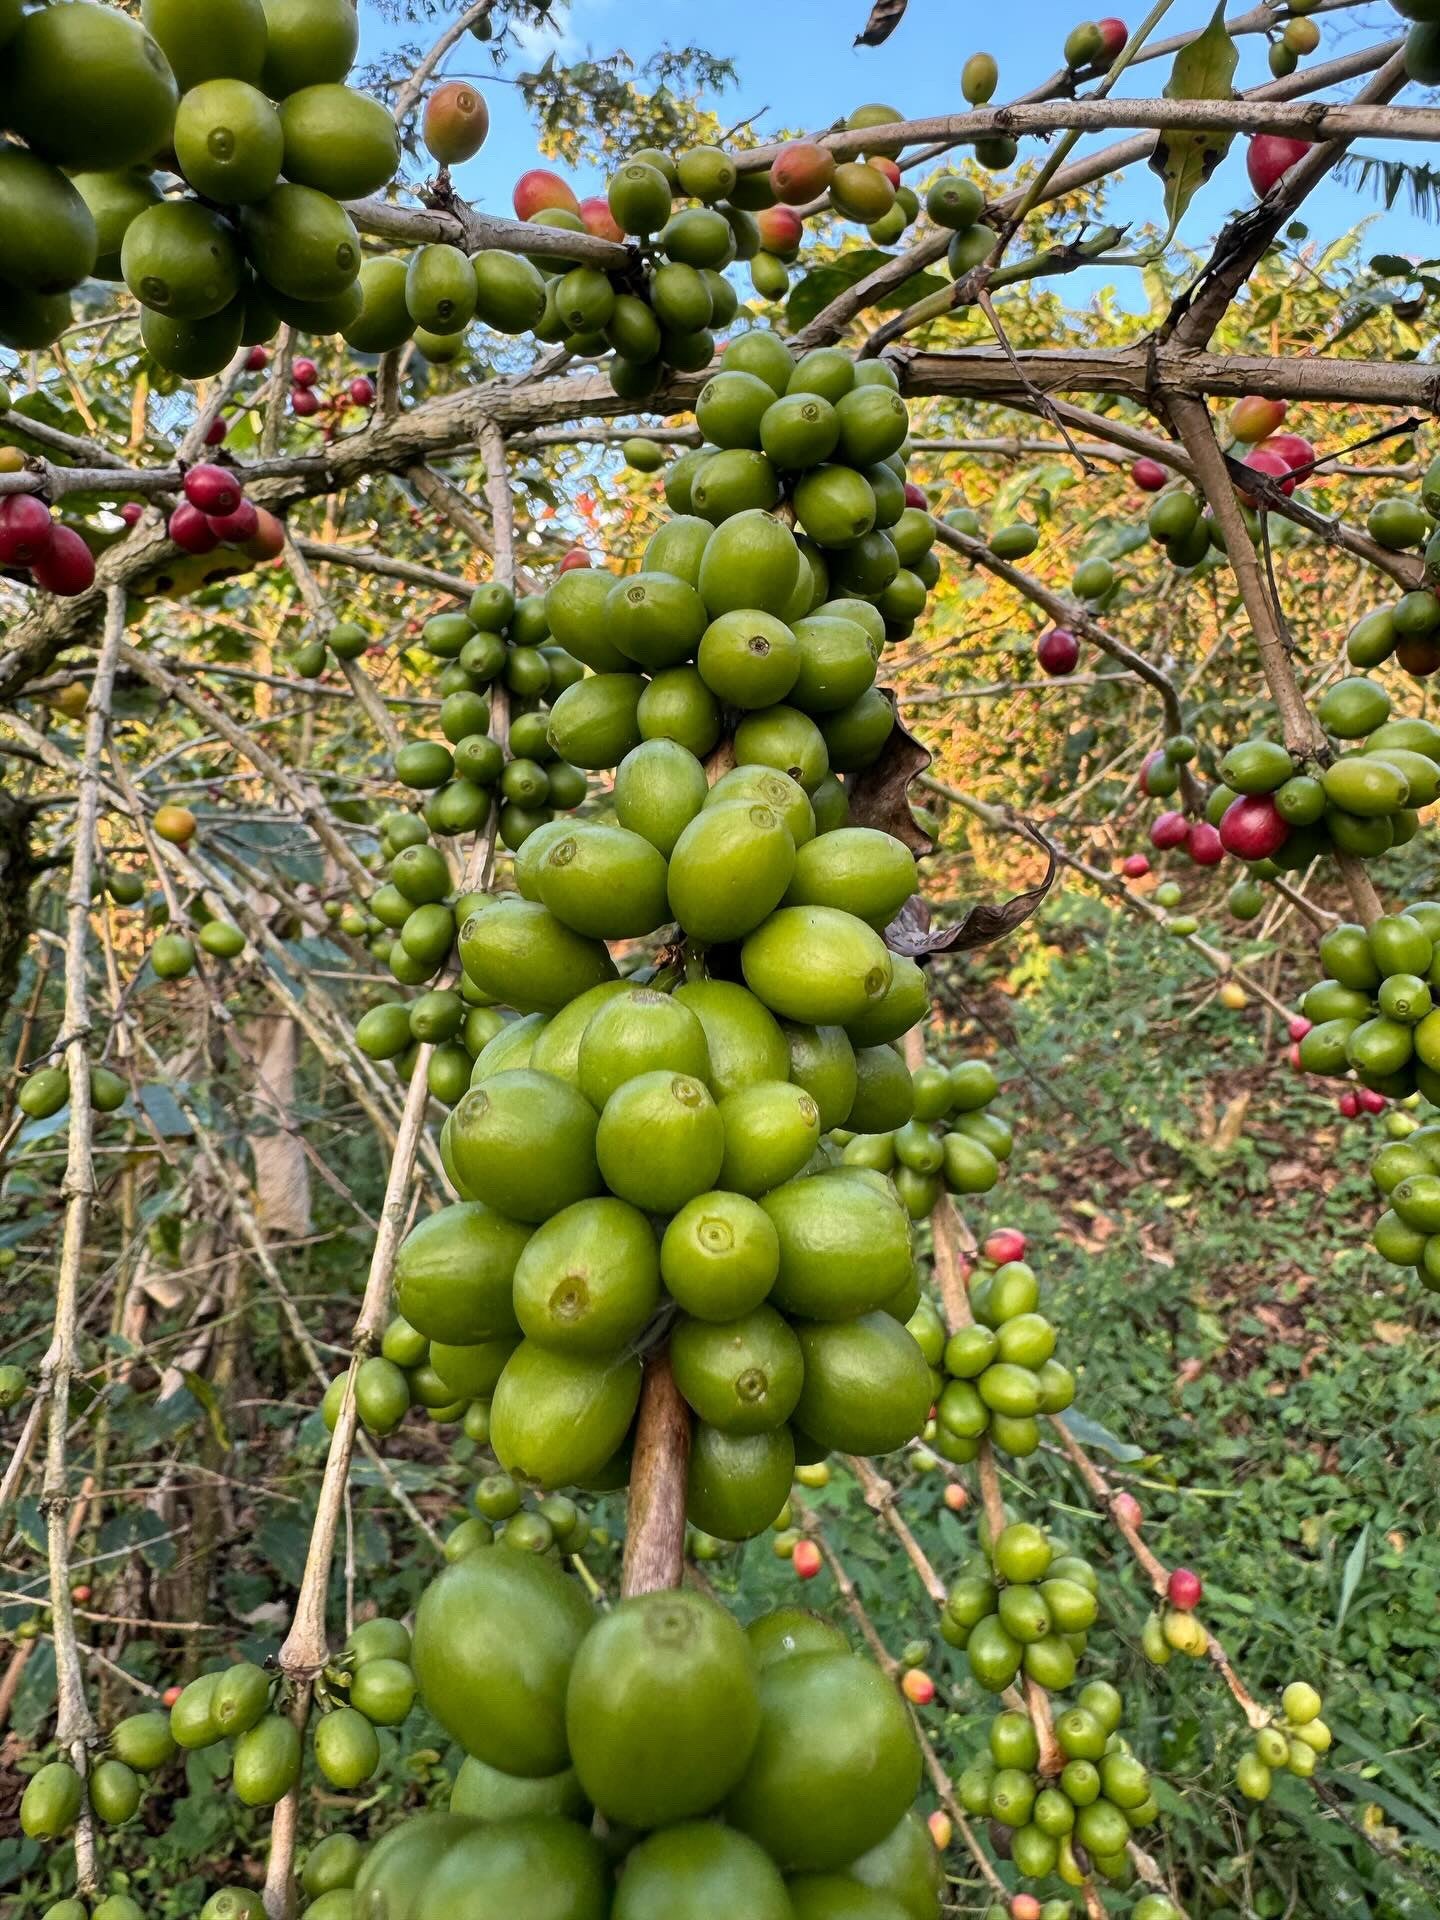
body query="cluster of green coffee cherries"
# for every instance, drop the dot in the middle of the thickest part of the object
(694, 215)
(768, 1769)
(1023, 1605)
(451, 1385)
(1292, 1743)
(930, 1130)
(999, 1376)
(245, 106)
(1367, 800)
(434, 295)
(46, 1091)
(1188, 533)
(735, 624)
(496, 642)
(1373, 1012)
(1409, 630)
(826, 435)
(370, 1686)
(1414, 1153)
(1079, 1819)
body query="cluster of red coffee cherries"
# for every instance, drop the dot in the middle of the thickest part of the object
(215, 513)
(1199, 839)
(306, 402)
(34, 542)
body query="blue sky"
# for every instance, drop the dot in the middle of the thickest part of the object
(798, 67)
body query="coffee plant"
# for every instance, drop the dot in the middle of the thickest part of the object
(478, 842)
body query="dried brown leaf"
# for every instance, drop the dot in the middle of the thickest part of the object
(987, 921)
(879, 795)
(885, 16)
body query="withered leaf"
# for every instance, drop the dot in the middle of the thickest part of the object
(879, 795)
(885, 16)
(911, 933)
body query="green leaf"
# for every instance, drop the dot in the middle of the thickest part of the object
(1091, 1434)
(1185, 159)
(1354, 1571)
(825, 284)
(205, 1393)
(1409, 1819)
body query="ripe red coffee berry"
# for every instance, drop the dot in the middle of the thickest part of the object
(1134, 866)
(362, 391)
(233, 528)
(304, 403)
(1270, 157)
(600, 221)
(268, 539)
(215, 433)
(781, 230)
(1371, 1101)
(576, 557)
(1128, 1509)
(1295, 1060)
(1169, 830)
(1184, 1588)
(132, 513)
(1113, 35)
(539, 190)
(807, 1561)
(918, 1687)
(1262, 460)
(1205, 846)
(1253, 828)
(801, 172)
(1057, 651)
(257, 359)
(915, 497)
(1004, 1245)
(26, 530)
(1299, 1026)
(191, 530)
(213, 489)
(1348, 1104)
(1148, 475)
(1255, 418)
(1294, 449)
(67, 566)
(304, 373)
(956, 1498)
